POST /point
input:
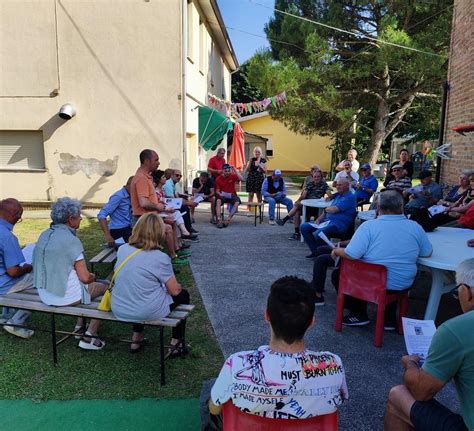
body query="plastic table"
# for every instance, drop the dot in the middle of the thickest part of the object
(313, 203)
(449, 250)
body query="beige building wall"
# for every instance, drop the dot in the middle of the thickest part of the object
(206, 72)
(291, 152)
(118, 62)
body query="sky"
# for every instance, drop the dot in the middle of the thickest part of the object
(246, 16)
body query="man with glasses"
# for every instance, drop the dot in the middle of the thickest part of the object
(450, 356)
(226, 194)
(171, 192)
(347, 173)
(13, 270)
(401, 181)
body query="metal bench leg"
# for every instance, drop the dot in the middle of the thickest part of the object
(53, 339)
(255, 218)
(162, 357)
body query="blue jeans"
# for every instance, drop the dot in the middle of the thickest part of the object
(272, 204)
(311, 238)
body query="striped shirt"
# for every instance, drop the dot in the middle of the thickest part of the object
(402, 183)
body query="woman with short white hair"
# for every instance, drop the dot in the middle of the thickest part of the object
(60, 271)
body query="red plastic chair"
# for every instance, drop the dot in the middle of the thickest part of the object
(368, 281)
(237, 420)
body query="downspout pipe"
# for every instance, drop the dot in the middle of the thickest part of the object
(442, 123)
(184, 104)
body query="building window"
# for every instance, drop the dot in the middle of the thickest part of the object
(21, 150)
(269, 146)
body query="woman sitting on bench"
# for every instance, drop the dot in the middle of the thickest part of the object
(145, 285)
(60, 271)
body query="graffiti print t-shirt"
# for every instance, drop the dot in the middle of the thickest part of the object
(282, 385)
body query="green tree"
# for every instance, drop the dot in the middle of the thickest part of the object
(334, 78)
(242, 90)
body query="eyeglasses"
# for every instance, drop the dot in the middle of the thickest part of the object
(178, 175)
(455, 292)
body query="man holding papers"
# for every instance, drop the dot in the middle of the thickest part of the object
(203, 191)
(226, 193)
(390, 240)
(336, 220)
(450, 356)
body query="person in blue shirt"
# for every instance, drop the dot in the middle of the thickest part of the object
(274, 191)
(425, 195)
(391, 240)
(11, 269)
(119, 210)
(340, 216)
(366, 186)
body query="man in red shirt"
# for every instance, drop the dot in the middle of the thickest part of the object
(216, 163)
(225, 192)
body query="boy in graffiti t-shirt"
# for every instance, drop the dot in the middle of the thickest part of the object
(283, 380)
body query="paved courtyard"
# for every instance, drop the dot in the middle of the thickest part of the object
(234, 269)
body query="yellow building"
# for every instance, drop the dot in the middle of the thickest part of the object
(130, 74)
(287, 150)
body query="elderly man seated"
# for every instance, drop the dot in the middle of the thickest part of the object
(391, 240)
(426, 194)
(348, 173)
(339, 217)
(282, 374)
(274, 192)
(366, 186)
(401, 181)
(412, 406)
(12, 271)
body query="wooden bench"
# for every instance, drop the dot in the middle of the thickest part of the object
(30, 300)
(107, 255)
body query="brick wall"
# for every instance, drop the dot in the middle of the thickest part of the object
(460, 104)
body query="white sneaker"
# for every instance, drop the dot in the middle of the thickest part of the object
(272, 222)
(94, 343)
(19, 332)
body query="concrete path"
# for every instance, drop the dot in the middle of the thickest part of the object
(234, 268)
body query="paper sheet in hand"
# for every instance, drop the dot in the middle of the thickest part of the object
(225, 195)
(320, 225)
(415, 190)
(119, 241)
(436, 209)
(198, 198)
(174, 203)
(330, 244)
(28, 253)
(418, 335)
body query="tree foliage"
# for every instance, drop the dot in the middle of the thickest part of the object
(332, 77)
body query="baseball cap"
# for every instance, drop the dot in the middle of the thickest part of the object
(397, 167)
(425, 174)
(366, 167)
(277, 172)
(225, 166)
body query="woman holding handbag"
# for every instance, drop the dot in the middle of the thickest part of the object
(145, 286)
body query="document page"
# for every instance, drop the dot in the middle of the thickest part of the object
(418, 335)
(174, 203)
(320, 225)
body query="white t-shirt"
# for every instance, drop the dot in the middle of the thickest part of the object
(343, 174)
(73, 290)
(282, 385)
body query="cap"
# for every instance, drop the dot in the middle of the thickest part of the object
(425, 174)
(397, 167)
(366, 167)
(277, 172)
(226, 166)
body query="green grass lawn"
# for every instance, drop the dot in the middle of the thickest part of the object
(28, 370)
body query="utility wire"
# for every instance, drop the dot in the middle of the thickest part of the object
(346, 31)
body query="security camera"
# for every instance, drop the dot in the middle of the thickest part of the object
(67, 111)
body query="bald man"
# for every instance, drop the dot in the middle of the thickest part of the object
(11, 270)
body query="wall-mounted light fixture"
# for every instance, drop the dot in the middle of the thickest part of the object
(67, 111)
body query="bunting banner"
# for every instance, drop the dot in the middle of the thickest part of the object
(248, 108)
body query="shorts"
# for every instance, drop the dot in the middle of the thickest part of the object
(232, 200)
(433, 416)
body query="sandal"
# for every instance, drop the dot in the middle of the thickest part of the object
(140, 343)
(79, 330)
(178, 350)
(94, 343)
